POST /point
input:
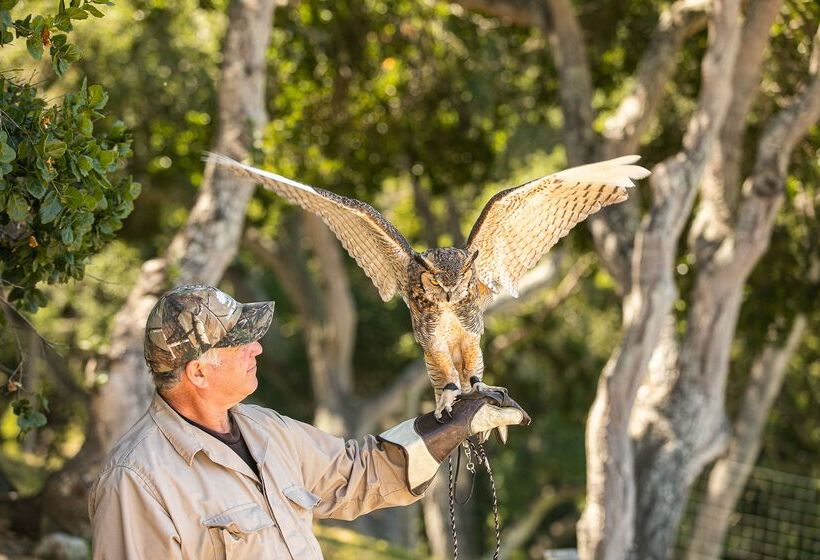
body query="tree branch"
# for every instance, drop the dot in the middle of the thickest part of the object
(678, 22)
(721, 184)
(339, 327)
(569, 53)
(55, 362)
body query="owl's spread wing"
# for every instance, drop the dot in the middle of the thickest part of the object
(381, 251)
(519, 225)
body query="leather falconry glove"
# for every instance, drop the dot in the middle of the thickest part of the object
(426, 442)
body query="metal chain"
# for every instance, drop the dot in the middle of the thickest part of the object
(481, 455)
(452, 489)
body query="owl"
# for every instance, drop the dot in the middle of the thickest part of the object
(448, 289)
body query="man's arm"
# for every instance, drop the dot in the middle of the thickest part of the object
(127, 520)
(351, 478)
(395, 468)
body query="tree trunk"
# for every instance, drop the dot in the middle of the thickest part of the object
(607, 527)
(680, 426)
(198, 253)
(730, 473)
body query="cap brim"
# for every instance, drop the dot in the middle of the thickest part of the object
(254, 321)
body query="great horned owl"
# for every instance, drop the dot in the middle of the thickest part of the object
(448, 289)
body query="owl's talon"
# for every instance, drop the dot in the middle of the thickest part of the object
(501, 434)
(448, 396)
(495, 393)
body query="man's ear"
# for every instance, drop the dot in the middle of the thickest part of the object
(195, 374)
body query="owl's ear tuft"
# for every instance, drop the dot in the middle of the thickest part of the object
(469, 262)
(424, 262)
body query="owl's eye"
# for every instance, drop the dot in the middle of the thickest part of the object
(434, 282)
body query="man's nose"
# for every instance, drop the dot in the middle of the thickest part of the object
(255, 348)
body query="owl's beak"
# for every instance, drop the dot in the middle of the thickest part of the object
(448, 294)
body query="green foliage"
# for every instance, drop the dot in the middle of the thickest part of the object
(48, 30)
(59, 199)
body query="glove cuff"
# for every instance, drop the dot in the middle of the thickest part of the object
(426, 442)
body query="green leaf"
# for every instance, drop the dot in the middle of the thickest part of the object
(35, 188)
(67, 235)
(35, 46)
(85, 164)
(7, 4)
(134, 190)
(93, 10)
(85, 126)
(71, 53)
(59, 39)
(31, 419)
(76, 13)
(21, 406)
(63, 23)
(107, 157)
(17, 208)
(97, 97)
(109, 225)
(50, 207)
(73, 198)
(37, 24)
(7, 153)
(89, 203)
(55, 148)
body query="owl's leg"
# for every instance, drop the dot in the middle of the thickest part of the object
(471, 377)
(473, 363)
(473, 372)
(445, 381)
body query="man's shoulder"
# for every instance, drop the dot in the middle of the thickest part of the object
(138, 444)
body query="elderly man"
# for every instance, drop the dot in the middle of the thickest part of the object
(202, 476)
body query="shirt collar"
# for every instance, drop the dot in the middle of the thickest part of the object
(174, 428)
(187, 442)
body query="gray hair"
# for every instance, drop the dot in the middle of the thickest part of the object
(170, 379)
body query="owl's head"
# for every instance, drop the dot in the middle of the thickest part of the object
(446, 274)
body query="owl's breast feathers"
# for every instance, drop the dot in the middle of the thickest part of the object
(445, 321)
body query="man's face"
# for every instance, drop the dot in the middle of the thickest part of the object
(234, 378)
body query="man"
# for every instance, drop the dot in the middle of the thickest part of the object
(202, 476)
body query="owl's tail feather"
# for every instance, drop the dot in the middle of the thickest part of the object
(618, 171)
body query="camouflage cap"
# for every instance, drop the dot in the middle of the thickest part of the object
(188, 320)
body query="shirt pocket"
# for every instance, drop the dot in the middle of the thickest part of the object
(302, 500)
(238, 532)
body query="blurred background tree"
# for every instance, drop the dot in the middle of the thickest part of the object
(424, 109)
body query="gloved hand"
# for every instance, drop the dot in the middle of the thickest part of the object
(427, 441)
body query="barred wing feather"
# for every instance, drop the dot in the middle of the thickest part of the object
(381, 251)
(519, 225)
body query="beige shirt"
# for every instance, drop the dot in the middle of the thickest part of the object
(169, 490)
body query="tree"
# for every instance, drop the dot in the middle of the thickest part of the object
(638, 476)
(61, 196)
(200, 252)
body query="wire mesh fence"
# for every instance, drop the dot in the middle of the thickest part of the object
(777, 517)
